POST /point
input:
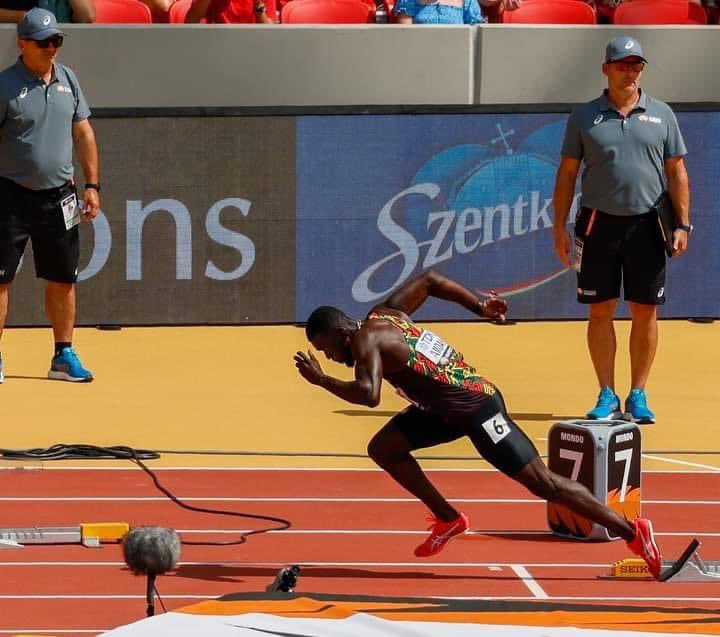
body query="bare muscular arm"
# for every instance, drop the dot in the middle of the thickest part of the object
(365, 389)
(415, 292)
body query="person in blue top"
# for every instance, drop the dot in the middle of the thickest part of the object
(447, 11)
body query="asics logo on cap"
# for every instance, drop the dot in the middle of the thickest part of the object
(629, 44)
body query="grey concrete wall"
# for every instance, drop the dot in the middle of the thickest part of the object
(284, 65)
(533, 65)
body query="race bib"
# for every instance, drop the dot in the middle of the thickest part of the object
(496, 427)
(433, 348)
(70, 211)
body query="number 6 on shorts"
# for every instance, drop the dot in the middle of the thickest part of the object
(496, 427)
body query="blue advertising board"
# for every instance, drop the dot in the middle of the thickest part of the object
(383, 198)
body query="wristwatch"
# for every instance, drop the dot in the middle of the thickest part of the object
(93, 186)
(686, 228)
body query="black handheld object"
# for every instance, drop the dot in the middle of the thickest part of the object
(666, 220)
(286, 580)
(150, 595)
(151, 551)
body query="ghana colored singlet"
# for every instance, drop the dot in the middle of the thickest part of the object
(436, 377)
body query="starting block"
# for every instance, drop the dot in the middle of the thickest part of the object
(689, 567)
(89, 534)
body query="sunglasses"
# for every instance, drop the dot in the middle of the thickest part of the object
(55, 40)
(629, 66)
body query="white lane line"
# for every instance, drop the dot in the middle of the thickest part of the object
(423, 565)
(343, 469)
(256, 499)
(686, 533)
(682, 462)
(711, 469)
(165, 596)
(305, 499)
(381, 532)
(568, 598)
(414, 532)
(529, 581)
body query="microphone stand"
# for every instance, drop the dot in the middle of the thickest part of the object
(150, 595)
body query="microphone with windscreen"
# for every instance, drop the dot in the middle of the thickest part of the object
(151, 551)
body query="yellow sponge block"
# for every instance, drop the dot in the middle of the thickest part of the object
(105, 531)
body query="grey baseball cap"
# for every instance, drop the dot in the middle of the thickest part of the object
(38, 24)
(623, 47)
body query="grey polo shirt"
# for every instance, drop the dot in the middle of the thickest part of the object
(36, 125)
(624, 170)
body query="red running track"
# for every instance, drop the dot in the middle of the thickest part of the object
(346, 545)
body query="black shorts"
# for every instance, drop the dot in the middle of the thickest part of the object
(36, 215)
(620, 250)
(491, 430)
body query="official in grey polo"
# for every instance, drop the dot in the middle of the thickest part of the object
(631, 150)
(43, 115)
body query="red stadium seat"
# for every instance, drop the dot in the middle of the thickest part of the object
(122, 12)
(178, 11)
(327, 12)
(551, 12)
(389, 6)
(660, 12)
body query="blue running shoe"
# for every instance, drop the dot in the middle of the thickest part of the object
(67, 366)
(607, 407)
(636, 409)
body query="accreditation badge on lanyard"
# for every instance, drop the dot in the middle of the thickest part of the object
(70, 210)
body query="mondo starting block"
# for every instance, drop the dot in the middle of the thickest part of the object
(90, 534)
(689, 567)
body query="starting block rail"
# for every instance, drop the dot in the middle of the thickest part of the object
(89, 534)
(689, 567)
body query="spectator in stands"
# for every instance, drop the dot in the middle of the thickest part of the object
(712, 7)
(449, 11)
(233, 11)
(159, 9)
(493, 9)
(606, 8)
(64, 10)
(436, 12)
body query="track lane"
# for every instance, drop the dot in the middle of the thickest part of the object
(250, 567)
(406, 515)
(288, 483)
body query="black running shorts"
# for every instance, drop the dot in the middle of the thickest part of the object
(36, 215)
(491, 430)
(617, 251)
